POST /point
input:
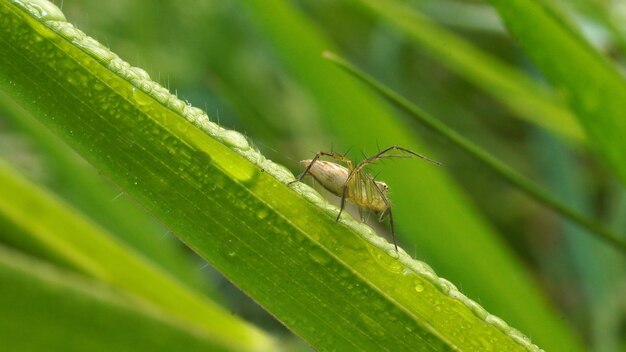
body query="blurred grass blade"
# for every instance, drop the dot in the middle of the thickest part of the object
(527, 98)
(605, 13)
(430, 209)
(600, 272)
(340, 286)
(61, 233)
(43, 308)
(501, 169)
(80, 185)
(593, 88)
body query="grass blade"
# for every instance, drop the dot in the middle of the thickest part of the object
(430, 209)
(528, 99)
(83, 188)
(63, 235)
(44, 308)
(339, 286)
(593, 88)
(487, 159)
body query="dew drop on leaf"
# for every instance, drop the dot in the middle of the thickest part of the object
(262, 213)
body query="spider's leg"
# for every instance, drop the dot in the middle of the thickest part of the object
(393, 230)
(405, 150)
(343, 202)
(382, 155)
(307, 169)
(347, 151)
(362, 214)
(385, 213)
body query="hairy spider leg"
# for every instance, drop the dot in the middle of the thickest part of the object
(343, 198)
(361, 214)
(387, 212)
(381, 155)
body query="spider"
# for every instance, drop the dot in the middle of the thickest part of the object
(354, 184)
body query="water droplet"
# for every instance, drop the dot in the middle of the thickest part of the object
(445, 286)
(97, 86)
(419, 286)
(476, 308)
(95, 49)
(176, 104)
(141, 98)
(42, 9)
(140, 73)
(319, 256)
(519, 337)
(310, 194)
(497, 322)
(160, 94)
(385, 261)
(191, 112)
(393, 253)
(234, 139)
(262, 213)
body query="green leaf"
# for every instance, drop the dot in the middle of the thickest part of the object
(528, 99)
(591, 85)
(429, 208)
(43, 308)
(600, 272)
(79, 184)
(340, 286)
(61, 233)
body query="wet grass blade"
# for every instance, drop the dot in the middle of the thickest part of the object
(498, 167)
(430, 209)
(592, 86)
(80, 185)
(63, 236)
(340, 286)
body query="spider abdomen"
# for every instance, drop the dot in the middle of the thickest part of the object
(330, 175)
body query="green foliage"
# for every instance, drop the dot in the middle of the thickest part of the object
(468, 239)
(530, 100)
(45, 308)
(71, 178)
(504, 171)
(96, 253)
(172, 159)
(591, 85)
(63, 236)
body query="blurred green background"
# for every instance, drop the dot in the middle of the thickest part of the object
(228, 58)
